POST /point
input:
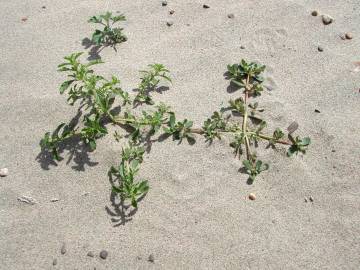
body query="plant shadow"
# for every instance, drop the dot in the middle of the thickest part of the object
(232, 86)
(78, 152)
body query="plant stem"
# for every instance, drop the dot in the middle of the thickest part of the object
(244, 124)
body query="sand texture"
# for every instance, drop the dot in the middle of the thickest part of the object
(197, 214)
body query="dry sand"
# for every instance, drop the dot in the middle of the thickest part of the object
(196, 215)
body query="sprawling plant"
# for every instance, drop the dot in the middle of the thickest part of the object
(98, 98)
(109, 35)
(247, 77)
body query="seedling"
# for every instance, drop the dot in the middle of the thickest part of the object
(109, 35)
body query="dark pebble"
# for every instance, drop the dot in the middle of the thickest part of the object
(172, 12)
(311, 199)
(231, 16)
(320, 49)
(169, 23)
(327, 19)
(43, 7)
(242, 47)
(103, 254)
(164, 3)
(315, 13)
(151, 258)
(206, 6)
(90, 254)
(24, 19)
(317, 111)
(55, 262)
(63, 249)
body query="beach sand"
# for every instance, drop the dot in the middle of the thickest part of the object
(197, 214)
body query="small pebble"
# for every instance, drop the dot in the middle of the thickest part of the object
(206, 6)
(4, 172)
(90, 254)
(252, 196)
(305, 200)
(55, 262)
(103, 254)
(24, 19)
(315, 13)
(320, 49)
(327, 19)
(164, 3)
(172, 12)
(151, 258)
(43, 7)
(231, 16)
(169, 23)
(27, 199)
(311, 199)
(349, 36)
(242, 47)
(54, 200)
(333, 150)
(63, 249)
(317, 111)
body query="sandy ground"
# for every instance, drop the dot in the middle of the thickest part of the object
(196, 215)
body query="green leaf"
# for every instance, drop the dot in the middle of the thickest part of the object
(65, 85)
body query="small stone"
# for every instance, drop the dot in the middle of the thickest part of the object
(252, 196)
(315, 13)
(293, 127)
(333, 150)
(327, 19)
(24, 19)
(349, 36)
(206, 6)
(43, 7)
(4, 172)
(151, 258)
(311, 199)
(103, 254)
(230, 16)
(320, 49)
(27, 199)
(90, 254)
(317, 111)
(55, 262)
(305, 200)
(86, 193)
(54, 200)
(172, 12)
(164, 3)
(169, 23)
(242, 47)
(63, 249)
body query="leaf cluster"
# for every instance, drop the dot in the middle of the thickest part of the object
(109, 35)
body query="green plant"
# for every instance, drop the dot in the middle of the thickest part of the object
(247, 77)
(126, 185)
(109, 35)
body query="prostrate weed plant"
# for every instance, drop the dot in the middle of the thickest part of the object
(99, 99)
(247, 77)
(109, 35)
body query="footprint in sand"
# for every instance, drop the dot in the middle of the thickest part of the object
(268, 40)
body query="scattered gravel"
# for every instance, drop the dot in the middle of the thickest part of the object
(27, 199)
(315, 13)
(103, 254)
(327, 19)
(169, 23)
(4, 172)
(151, 258)
(252, 196)
(63, 249)
(349, 36)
